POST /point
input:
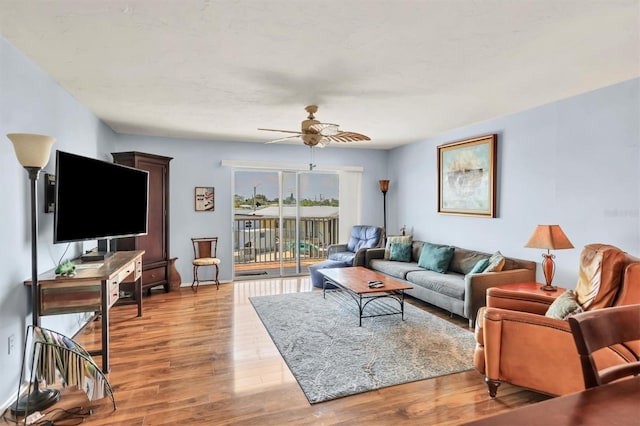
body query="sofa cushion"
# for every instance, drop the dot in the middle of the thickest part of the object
(417, 250)
(343, 256)
(395, 239)
(479, 267)
(394, 269)
(436, 257)
(363, 236)
(496, 262)
(400, 252)
(450, 284)
(564, 306)
(464, 260)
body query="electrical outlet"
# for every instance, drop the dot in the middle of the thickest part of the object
(12, 344)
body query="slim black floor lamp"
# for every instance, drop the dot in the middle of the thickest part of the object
(33, 154)
(384, 187)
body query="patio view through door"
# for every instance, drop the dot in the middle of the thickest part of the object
(283, 221)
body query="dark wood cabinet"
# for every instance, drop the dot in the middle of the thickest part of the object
(155, 262)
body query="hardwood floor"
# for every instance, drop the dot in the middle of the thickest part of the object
(205, 358)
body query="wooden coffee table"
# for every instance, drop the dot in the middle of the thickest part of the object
(355, 282)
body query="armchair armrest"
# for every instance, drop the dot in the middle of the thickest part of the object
(478, 285)
(360, 259)
(336, 248)
(518, 301)
(374, 253)
(531, 351)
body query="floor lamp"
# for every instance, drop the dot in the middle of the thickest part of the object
(384, 187)
(33, 153)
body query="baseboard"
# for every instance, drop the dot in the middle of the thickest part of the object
(12, 399)
(207, 283)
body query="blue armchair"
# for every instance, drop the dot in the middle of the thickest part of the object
(362, 237)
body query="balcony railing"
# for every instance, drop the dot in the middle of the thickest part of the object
(256, 240)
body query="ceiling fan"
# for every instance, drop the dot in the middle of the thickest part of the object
(317, 134)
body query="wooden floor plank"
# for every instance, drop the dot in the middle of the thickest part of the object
(206, 359)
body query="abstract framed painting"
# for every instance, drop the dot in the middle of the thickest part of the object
(204, 198)
(467, 177)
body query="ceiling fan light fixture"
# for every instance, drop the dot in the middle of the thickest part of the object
(315, 133)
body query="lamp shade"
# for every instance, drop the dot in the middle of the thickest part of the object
(32, 150)
(384, 185)
(549, 237)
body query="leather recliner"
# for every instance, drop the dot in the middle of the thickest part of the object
(518, 344)
(362, 237)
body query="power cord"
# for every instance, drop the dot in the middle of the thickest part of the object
(65, 417)
(65, 252)
(61, 417)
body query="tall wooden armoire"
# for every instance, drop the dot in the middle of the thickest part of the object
(155, 262)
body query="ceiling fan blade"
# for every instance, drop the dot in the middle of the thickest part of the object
(348, 137)
(324, 142)
(282, 131)
(325, 129)
(283, 139)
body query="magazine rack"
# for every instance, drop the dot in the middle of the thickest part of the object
(56, 357)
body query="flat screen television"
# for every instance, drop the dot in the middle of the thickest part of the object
(98, 200)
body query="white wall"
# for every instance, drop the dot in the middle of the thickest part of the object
(575, 162)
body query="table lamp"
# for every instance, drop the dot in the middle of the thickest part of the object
(549, 237)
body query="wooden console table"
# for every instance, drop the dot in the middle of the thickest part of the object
(94, 288)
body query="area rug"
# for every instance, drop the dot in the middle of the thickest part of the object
(331, 356)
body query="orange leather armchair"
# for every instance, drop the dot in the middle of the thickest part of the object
(518, 344)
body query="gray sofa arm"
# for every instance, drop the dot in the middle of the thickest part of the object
(374, 253)
(476, 286)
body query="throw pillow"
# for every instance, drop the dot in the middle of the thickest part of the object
(464, 260)
(599, 276)
(395, 239)
(564, 306)
(436, 257)
(480, 266)
(400, 252)
(496, 263)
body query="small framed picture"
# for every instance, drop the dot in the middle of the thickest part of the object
(204, 197)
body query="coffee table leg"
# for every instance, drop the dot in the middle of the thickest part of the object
(360, 308)
(402, 305)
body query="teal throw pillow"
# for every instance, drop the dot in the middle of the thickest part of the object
(436, 257)
(400, 252)
(395, 239)
(480, 266)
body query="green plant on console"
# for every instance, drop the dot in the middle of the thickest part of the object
(66, 269)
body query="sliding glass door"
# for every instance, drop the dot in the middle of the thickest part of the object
(283, 221)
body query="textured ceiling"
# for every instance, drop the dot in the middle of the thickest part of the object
(395, 70)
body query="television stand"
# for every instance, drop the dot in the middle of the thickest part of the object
(93, 256)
